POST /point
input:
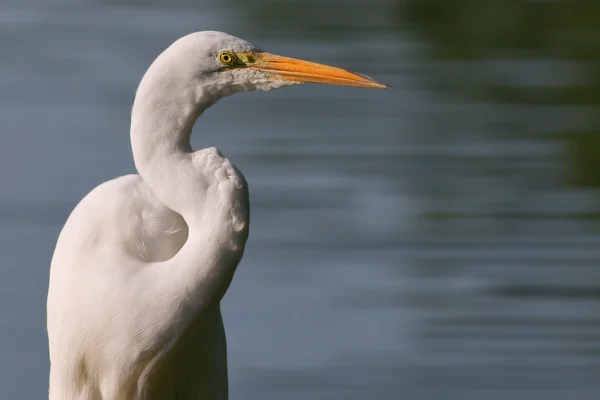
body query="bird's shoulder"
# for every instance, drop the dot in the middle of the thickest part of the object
(124, 216)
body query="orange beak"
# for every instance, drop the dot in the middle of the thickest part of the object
(294, 70)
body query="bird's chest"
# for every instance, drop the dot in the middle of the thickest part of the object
(196, 368)
(222, 196)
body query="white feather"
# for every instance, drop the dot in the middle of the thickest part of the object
(143, 261)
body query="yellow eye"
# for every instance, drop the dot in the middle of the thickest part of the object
(226, 58)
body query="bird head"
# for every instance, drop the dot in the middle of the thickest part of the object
(222, 64)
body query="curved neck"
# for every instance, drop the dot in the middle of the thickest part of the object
(163, 115)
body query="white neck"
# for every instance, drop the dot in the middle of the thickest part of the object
(163, 116)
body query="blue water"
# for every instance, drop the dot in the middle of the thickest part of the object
(404, 243)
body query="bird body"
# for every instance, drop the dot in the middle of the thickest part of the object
(110, 279)
(141, 265)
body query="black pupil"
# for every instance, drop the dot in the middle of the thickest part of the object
(226, 58)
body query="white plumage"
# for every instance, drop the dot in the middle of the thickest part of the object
(143, 261)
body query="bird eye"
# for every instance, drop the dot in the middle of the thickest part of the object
(226, 58)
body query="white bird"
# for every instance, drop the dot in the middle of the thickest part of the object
(143, 261)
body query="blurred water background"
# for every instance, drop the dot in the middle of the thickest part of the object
(436, 241)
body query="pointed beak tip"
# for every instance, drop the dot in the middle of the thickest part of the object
(377, 85)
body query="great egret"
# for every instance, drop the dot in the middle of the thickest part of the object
(143, 261)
